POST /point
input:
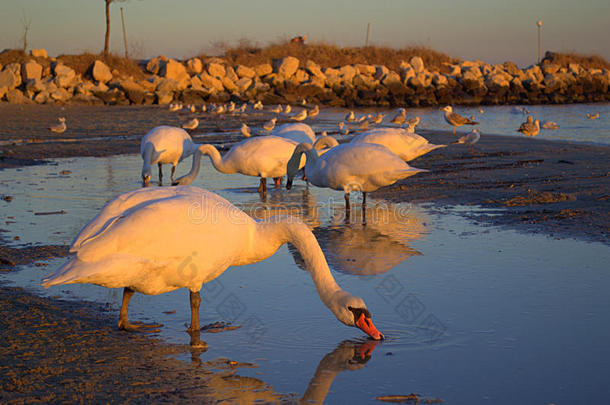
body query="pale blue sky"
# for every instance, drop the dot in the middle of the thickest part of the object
(493, 31)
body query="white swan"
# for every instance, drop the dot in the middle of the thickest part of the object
(406, 145)
(263, 156)
(162, 145)
(298, 132)
(350, 167)
(202, 235)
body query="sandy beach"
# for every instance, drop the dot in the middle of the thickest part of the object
(557, 188)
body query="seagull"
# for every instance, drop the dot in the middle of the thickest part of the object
(59, 128)
(300, 116)
(220, 109)
(258, 105)
(287, 109)
(175, 107)
(269, 125)
(192, 124)
(343, 128)
(277, 109)
(314, 111)
(470, 139)
(549, 125)
(378, 118)
(528, 128)
(593, 116)
(400, 117)
(245, 130)
(204, 108)
(456, 119)
(413, 121)
(364, 125)
(529, 121)
(350, 116)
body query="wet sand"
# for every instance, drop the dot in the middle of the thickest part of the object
(71, 351)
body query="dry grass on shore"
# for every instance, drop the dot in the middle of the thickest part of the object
(81, 63)
(328, 55)
(585, 61)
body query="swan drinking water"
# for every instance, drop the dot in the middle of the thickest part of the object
(198, 236)
(261, 156)
(350, 167)
(163, 145)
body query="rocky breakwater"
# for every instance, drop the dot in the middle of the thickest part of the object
(287, 80)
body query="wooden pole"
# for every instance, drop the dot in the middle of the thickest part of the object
(368, 34)
(124, 34)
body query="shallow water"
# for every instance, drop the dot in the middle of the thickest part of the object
(503, 120)
(471, 313)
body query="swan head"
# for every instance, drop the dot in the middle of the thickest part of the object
(145, 179)
(294, 163)
(352, 311)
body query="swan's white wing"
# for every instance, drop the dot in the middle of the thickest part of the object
(406, 145)
(113, 210)
(163, 243)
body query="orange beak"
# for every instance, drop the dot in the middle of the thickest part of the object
(367, 326)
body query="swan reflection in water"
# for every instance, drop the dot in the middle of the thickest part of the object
(221, 378)
(355, 246)
(364, 243)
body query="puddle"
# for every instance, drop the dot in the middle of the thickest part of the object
(471, 314)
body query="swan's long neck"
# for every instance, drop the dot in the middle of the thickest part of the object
(219, 163)
(190, 176)
(294, 163)
(276, 231)
(147, 157)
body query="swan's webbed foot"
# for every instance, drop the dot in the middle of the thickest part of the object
(127, 326)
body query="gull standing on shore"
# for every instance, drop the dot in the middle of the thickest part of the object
(314, 111)
(269, 125)
(350, 117)
(400, 117)
(245, 130)
(456, 120)
(300, 116)
(470, 139)
(59, 128)
(549, 125)
(528, 128)
(192, 124)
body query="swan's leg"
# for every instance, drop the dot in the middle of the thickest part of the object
(363, 208)
(124, 314)
(173, 170)
(347, 203)
(195, 301)
(124, 323)
(454, 130)
(278, 182)
(160, 173)
(262, 188)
